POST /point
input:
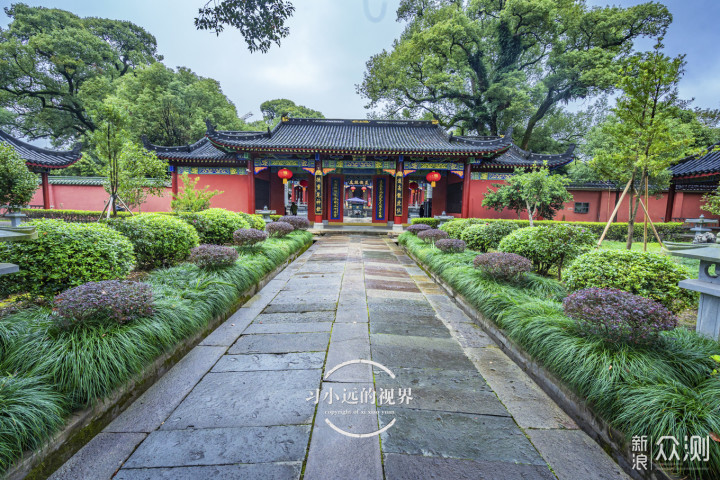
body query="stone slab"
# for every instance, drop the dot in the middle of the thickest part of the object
(227, 333)
(100, 458)
(524, 399)
(301, 307)
(281, 343)
(238, 399)
(443, 390)
(221, 446)
(149, 411)
(418, 352)
(258, 471)
(305, 327)
(270, 361)
(412, 467)
(333, 455)
(572, 455)
(294, 317)
(402, 328)
(349, 341)
(443, 434)
(392, 285)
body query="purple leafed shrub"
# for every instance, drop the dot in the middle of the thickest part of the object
(247, 237)
(432, 235)
(298, 223)
(503, 266)
(417, 228)
(450, 245)
(619, 316)
(118, 301)
(213, 256)
(279, 229)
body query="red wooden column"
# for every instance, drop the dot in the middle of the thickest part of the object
(45, 190)
(174, 179)
(251, 184)
(465, 211)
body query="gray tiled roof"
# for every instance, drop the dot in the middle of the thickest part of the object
(517, 157)
(41, 158)
(699, 165)
(391, 137)
(200, 151)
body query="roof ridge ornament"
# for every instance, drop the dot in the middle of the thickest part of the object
(209, 125)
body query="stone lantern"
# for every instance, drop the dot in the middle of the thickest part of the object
(15, 234)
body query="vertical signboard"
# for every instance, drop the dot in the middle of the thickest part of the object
(336, 199)
(380, 192)
(318, 192)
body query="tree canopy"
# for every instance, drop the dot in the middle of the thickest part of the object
(485, 65)
(535, 191)
(260, 22)
(46, 57)
(273, 110)
(17, 183)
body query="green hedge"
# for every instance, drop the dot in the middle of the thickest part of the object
(75, 216)
(215, 225)
(87, 363)
(617, 231)
(65, 255)
(668, 389)
(433, 222)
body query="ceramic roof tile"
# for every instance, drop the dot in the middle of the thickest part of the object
(699, 165)
(36, 157)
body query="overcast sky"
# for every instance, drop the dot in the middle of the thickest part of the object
(324, 57)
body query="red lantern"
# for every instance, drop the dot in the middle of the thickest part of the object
(352, 189)
(303, 183)
(364, 188)
(413, 186)
(285, 174)
(433, 177)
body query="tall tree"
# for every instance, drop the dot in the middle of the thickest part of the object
(260, 22)
(171, 107)
(536, 192)
(47, 55)
(274, 110)
(485, 65)
(644, 135)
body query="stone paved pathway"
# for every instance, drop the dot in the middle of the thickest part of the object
(242, 404)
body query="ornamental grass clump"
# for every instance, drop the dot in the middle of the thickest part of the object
(417, 228)
(618, 316)
(450, 245)
(432, 235)
(249, 237)
(110, 301)
(298, 223)
(508, 267)
(213, 257)
(279, 229)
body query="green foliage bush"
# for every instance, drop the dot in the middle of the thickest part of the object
(484, 237)
(65, 255)
(159, 240)
(215, 225)
(432, 222)
(649, 275)
(17, 183)
(548, 246)
(74, 216)
(255, 221)
(668, 389)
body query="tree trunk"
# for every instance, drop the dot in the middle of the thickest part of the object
(530, 213)
(631, 219)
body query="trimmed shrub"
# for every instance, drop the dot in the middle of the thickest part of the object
(279, 229)
(417, 228)
(275, 218)
(432, 235)
(450, 245)
(503, 266)
(215, 225)
(255, 221)
(159, 240)
(619, 316)
(113, 301)
(649, 275)
(248, 237)
(65, 255)
(484, 237)
(74, 216)
(298, 223)
(432, 222)
(454, 228)
(213, 257)
(548, 246)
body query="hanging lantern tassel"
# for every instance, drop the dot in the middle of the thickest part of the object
(433, 177)
(285, 174)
